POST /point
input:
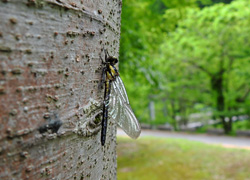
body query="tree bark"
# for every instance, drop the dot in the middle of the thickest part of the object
(50, 103)
(217, 87)
(173, 115)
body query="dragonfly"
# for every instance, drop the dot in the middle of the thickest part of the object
(116, 103)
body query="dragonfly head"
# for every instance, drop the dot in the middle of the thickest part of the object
(112, 60)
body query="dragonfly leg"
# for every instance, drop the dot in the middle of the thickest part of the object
(106, 54)
(103, 62)
(103, 77)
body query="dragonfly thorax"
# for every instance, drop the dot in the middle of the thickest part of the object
(112, 72)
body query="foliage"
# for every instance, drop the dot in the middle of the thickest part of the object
(183, 55)
(140, 38)
(213, 43)
(154, 158)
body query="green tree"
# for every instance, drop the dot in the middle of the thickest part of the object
(144, 25)
(215, 42)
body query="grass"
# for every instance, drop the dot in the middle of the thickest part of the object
(172, 159)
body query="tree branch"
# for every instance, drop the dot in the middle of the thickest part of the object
(199, 67)
(242, 99)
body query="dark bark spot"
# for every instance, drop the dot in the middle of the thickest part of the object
(53, 125)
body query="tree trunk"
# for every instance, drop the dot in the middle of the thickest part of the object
(228, 125)
(217, 87)
(50, 103)
(173, 115)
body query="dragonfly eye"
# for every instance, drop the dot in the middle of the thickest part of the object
(112, 60)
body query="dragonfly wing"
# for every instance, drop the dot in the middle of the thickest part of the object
(121, 110)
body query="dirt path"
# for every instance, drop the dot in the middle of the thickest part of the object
(225, 141)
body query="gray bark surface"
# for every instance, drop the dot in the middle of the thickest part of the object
(50, 103)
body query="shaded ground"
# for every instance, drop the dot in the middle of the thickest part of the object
(226, 141)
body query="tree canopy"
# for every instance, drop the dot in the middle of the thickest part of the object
(187, 57)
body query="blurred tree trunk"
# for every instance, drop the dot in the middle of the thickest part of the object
(218, 86)
(50, 103)
(173, 115)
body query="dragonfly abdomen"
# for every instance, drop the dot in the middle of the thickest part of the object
(105, 110)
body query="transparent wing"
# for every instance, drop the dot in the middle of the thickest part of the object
(121, 111)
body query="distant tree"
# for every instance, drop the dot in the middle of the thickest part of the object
(144, 25)
(215, 42)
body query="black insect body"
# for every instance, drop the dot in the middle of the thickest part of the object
(116, 103)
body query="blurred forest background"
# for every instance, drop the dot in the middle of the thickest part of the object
(186, 63)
